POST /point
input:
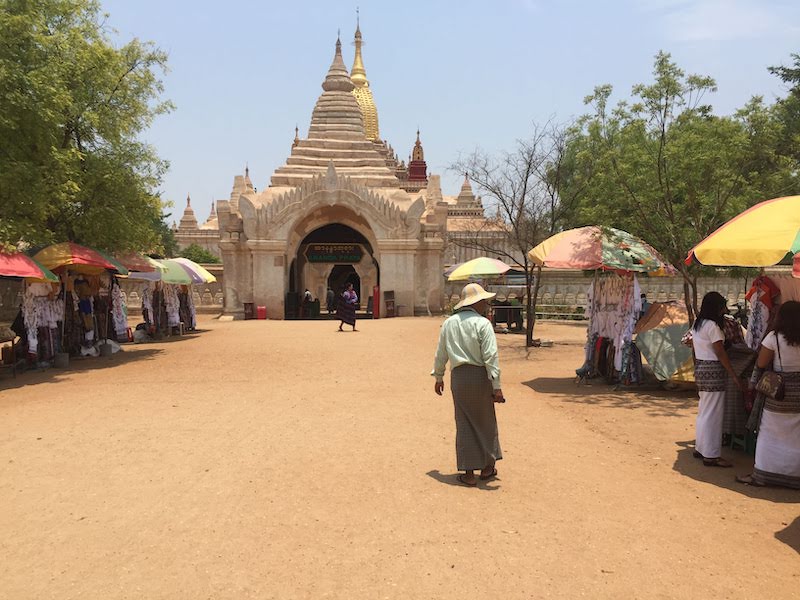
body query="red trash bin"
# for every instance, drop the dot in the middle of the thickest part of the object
(261, 312)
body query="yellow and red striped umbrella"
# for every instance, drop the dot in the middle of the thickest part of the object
(763, 235)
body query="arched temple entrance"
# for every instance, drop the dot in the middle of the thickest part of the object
(331, 256)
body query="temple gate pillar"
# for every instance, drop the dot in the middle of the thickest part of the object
(397, 272)
(269, 275)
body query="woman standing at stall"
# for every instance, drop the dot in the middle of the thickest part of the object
(778, 447)
(346, 310)
(710, 366)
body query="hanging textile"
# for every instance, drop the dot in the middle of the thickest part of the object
(613, 307)
(119, 311)
(173, 305)
(761, 297)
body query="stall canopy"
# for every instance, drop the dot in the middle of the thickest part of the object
(600, 248)
(198, 273)
(478, 268)
(20, 266)
(78, 258)
(762, 236)
(169, 272)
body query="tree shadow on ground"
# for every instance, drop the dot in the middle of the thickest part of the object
(77, 365)
(655, 402)
(790, 535)
(453, 480)
(693, 468)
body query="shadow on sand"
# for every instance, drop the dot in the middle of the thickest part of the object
(791, 535)
(76, 365)
(452, 480)
(654, 402)
(693, 468)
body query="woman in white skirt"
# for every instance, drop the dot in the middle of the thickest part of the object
(778, 445)
(711, 367)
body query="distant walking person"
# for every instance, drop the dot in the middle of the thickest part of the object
(467, 340)
(330, 301)
(346, 309)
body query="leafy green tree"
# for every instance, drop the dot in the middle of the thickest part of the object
(199, 254)
(788, 109)
(670, 171)
(71, 109)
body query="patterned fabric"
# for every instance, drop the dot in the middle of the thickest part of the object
(790, 403)
(477, 440)
(735, 419)
(709, 375)
(346, 309)
(778, 450)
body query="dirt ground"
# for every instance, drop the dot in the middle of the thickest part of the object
(269, 459)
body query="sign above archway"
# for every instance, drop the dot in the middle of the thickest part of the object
(334, 253)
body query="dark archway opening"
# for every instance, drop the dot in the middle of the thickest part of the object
(340, 276)
(344, 269)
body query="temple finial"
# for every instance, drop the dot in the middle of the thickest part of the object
(358, 75)
(188, 200)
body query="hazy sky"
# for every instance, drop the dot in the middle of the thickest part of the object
(469, 73)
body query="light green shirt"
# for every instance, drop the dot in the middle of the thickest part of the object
(467, 338)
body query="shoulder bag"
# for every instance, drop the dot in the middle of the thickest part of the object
(771, 383)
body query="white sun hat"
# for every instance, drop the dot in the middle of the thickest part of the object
(473, 293)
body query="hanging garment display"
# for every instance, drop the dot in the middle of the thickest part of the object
(614, 303)
(172, 304)
(761, 297)
(119, 312)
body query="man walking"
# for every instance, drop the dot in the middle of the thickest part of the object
(467, 340)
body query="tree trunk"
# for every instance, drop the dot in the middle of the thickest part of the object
(528, 310)
(532, 299)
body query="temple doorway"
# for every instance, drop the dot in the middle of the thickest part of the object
(330, 257)
(340, 276)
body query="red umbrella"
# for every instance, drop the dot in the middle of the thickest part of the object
(19, 265)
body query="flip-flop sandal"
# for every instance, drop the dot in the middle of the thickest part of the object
(717, 462)
(491, 475)
(464, 481)
(748, 480)
(696, 454)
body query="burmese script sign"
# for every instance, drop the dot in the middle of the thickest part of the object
(334, 253)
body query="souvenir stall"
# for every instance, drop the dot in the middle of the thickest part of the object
(36, 324)
(613, 308)
(87, 278)
(614, 301)
(166, 293)
(765, 235)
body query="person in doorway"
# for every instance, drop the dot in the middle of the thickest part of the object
(468, 342)
(346, 309)
(711, 366)
(305, 302)
(645, 305)
(778, 449)
(330, 301)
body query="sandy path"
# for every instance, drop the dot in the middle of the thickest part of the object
(284, 460)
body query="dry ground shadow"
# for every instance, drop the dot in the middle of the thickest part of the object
(656, 403)
(76, 365)
(693, 468)
(791, 535)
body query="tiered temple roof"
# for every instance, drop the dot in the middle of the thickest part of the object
(336, 134)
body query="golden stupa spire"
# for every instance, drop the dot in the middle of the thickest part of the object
(357, 74)
(361, 91)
